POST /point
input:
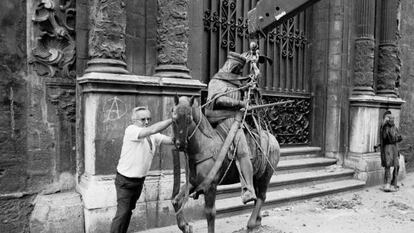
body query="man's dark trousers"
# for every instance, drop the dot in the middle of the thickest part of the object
(128, 191)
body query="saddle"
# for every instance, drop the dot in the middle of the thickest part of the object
(253, 139)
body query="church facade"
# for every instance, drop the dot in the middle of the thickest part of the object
(72, 70)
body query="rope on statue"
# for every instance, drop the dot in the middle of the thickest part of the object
(187, 184)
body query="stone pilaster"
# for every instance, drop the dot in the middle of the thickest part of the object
(107, 37)
(365, 117)
(389, 62)
(172, 39)
(106, 101)
(364, 48)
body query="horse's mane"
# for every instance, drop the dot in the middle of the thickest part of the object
(205, 126)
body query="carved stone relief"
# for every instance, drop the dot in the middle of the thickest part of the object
(53, 52)
(173, 32)
(107, 29)
(389, 66)
(63, 96)
(364, 63)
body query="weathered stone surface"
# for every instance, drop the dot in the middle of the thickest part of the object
(57, 213)
(15, 212)
(406, 88)
(364, 63)
(173, 29)
(389, 66)
(53, 49)
(107, 29)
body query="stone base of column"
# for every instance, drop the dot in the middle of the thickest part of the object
(106, 103)
(357, 91)
(58, 212)
(368, 167)
(153, 209)
(366, 117)
(172, 71)
(387, 93)
(105, 65)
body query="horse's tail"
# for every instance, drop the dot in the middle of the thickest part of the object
(269, 155)
(273, 152)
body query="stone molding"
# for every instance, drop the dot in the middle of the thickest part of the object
(122, 83)
(376, 101)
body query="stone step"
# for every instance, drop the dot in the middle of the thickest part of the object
(303, 164)
(233, 205)
(299, 152)
(288, 180)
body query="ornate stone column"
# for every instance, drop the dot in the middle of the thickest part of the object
(366, 109)
(389, 62)
(107, 37)
(172, 39)
(364, 48)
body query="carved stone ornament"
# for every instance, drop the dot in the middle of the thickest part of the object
(63, 96)
(364, 63)
(173, 32)
(290, 123)
(107, 29)
(53, 52)
(389, 70)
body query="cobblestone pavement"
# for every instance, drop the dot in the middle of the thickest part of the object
(369, 210)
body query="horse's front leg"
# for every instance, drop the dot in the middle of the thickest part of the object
(210, 208)
(178, 202)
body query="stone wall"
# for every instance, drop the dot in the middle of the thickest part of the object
(15, 204)
(407, 82)
(37, 108)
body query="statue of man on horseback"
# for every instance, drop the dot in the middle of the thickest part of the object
(225, 92)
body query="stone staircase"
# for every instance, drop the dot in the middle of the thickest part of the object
(301, 174)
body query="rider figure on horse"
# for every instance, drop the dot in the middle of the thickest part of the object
(226, 96)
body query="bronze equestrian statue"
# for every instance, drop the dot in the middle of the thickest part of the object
(216, 145)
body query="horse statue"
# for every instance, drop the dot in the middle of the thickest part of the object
(199, 140)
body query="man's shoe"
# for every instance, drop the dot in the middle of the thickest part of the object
(248, 196)
(387, 188)
(394, 188)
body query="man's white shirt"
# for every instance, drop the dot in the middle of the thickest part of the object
(136, 154)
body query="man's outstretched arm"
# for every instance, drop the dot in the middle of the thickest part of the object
(155, 128)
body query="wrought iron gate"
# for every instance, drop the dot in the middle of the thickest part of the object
(225, 29)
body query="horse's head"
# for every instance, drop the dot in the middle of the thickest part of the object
(182, 118)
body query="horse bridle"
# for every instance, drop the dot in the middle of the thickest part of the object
(188, 119)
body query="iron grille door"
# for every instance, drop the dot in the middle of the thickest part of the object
(225, 29)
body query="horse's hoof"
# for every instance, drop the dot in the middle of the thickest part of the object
(188, 228)
(253, 226)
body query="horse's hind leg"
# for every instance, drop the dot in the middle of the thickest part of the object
(255, 219)
(210, 208)
(178, 202)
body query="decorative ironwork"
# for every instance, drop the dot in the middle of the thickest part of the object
(290, 123)
(288, 38)
(53, 53)
(225, 26)
(227, 23)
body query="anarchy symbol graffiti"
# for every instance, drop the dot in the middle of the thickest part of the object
(114, 109)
